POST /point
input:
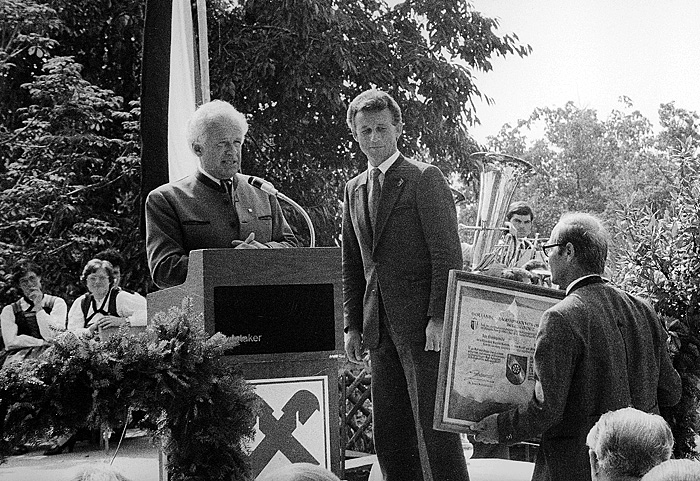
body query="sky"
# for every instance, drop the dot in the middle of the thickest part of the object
(591, 52)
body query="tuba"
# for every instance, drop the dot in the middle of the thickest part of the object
(498, 181)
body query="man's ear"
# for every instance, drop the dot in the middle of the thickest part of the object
(594, 463)
(197, 149)
(569, 250)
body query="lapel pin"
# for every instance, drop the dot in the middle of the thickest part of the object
(400, 183)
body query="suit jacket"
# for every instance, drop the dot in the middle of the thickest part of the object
(598, 350)
(196, 213)
(407, 259)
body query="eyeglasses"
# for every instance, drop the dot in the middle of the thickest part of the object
(95, 278)
(545, 248)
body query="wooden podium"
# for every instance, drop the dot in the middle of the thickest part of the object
(285, 308)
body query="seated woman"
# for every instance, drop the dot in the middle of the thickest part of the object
(104, 305)
(28, 323)
(32, 320)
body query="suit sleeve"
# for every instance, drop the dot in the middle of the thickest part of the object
(438, 217)
(282, 235)
(353, 271)
(167, 258)
(556, 354)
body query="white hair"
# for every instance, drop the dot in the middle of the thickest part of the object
(629, 442)
(213, 113)
(98, 472)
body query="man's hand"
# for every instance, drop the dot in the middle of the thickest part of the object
(353, 346)
(433, 334)
(36, 296)
(249, 243)
(486, 430)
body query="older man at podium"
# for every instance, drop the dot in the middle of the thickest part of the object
(215, 207)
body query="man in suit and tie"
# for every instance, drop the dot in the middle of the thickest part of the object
(597, 350)
(399, 243)
(214, 207)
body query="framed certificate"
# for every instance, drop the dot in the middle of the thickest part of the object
(488, 345)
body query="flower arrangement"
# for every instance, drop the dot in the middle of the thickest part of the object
(191, 398)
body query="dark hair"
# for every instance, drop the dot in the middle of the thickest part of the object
(373, 100)
(24, 267)
(113, 256)
(93, 266)
(519, 208)
(589, 238)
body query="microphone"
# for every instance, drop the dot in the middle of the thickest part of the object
(268, 188)
(263, 185)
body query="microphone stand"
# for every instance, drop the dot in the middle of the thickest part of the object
(303, 213)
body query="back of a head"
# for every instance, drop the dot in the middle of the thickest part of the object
(98, 472)
(629, 442)
(588, 236)
(674, 470)
(113, 256)
(301, 472)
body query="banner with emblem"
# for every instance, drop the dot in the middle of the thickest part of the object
(488, 346)
(293, 424)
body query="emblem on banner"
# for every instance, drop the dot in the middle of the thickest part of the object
(292, 425)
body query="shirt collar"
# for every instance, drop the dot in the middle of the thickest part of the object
(384, 166)
(571, 286)
(217, 181)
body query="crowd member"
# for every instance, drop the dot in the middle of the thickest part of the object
(399, 243)
(674, 470)
(624, 444)
(214, 207)
(104, 305)
(598, 349)
(33, 319)
(98, 472)
(114, 257)
(300, 472)
(521, 248)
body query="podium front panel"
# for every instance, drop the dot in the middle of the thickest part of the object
(267, 319)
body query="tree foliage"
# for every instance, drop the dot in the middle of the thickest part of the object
(295, 65)
(584, 163)
(660, 259)
(70, 183)
(71, 161)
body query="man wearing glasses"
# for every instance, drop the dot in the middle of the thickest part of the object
(597, 350)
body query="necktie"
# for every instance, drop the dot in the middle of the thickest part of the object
(227, 185)
(374, 196)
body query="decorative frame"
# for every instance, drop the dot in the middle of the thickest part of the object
(488, 345)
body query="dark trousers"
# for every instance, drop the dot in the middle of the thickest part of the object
(404, 381)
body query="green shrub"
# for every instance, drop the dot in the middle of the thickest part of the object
(660, 259)
(193, 399)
